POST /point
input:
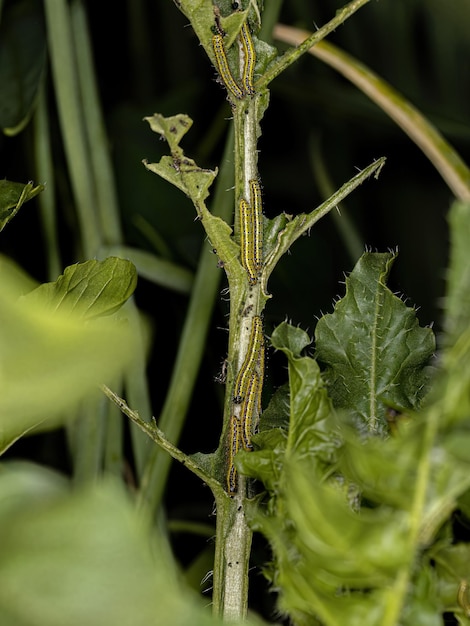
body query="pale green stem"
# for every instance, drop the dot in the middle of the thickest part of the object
(45, 174)
(93, 184)
(232, 558)
(107, 205)
(88, 436)
(71, 117)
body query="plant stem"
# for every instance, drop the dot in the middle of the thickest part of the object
(232, 556)
(107, 205)
(294, 54)
(45, 172)
(71, 115)
(233, 536)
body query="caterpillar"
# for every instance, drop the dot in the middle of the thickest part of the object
(223, 67)
(462, 597)
(257, 206)
(247, 411)
(249, 59)
(252, 359)
(247, 243)
(233, 448)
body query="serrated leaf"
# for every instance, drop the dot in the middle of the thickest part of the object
(12, 198)
(265, 464)
(311, 431)
(321, 548)
(49, 361)
(276, 414)
(91, 289)
(284, 231)
(310, 427)
(290, 340)
(374, 350)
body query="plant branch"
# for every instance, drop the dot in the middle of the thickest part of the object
(293, 54)
(152, 430)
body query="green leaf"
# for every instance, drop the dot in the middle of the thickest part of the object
(290, 340)
(311, 429)
(179, 169)
(84, 557)
(285, 229)
(277, 413)
(49, 361)
(374, 350)
(90, 289)
(310, 426)
(12, 198)
(22, 62)
(353, 534)
(267, 461)
(321, 548)
(173, 128)
(452, 567)
(158, 270)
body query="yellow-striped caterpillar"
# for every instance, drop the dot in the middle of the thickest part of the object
(254, 353)
(248, 409)
(247, 244)
(233, 448)
(223, 67)
(462, 597)
(257, 206)
(249, 60)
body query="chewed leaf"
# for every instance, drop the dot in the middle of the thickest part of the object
(374, 350)
(90, 289)
(171, 128)
(184, 174)
(179, 169)
(284, 230)
(49, 361)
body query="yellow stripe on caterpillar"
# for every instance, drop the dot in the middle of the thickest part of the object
(233, 448)
(251, 361)
(257, 207)
(249, 60)
(223, 67)
(248, 409)
(247, 243)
